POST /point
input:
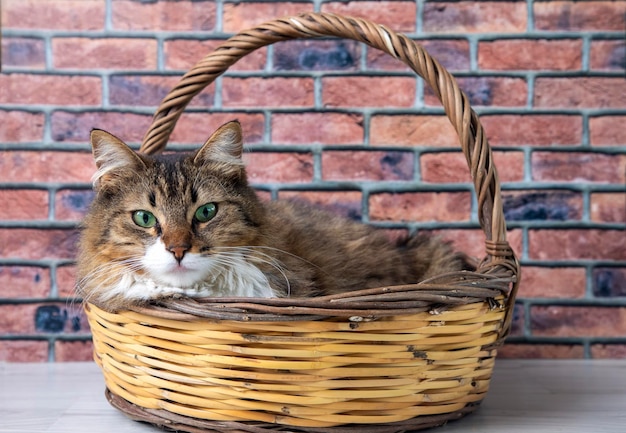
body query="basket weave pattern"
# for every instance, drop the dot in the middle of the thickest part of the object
(387, 360)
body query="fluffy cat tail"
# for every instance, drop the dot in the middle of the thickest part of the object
(429, 256)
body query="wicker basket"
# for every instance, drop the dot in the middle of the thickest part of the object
(390, 359)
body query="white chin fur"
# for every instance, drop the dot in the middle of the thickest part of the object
(197, 275)
(163, 268)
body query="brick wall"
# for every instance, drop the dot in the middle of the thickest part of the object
(547, 78)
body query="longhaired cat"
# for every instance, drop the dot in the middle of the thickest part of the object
(191, 225)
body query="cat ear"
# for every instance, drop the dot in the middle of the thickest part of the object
(111, 155)
(224, 147)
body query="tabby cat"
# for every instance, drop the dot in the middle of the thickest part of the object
(191, 225)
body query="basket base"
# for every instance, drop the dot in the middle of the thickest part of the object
(171, 421)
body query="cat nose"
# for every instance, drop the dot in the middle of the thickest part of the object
(178, 251)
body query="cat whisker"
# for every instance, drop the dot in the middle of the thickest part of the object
(245, 251)
(106, 275)
(280, 251)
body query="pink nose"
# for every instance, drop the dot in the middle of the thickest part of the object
(179, 252)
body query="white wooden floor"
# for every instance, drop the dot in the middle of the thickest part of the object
(525, 396)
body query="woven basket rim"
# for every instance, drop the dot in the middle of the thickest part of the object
(434, 295)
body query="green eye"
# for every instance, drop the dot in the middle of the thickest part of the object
(206, 212)
(144, 219)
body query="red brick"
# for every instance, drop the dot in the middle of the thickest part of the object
(73, 351)
(267, 92)
(345, 203)
(413, 130)
(76, 126)
(45, 166)
(44, 318)
(72, 204)
(452, 54)
(609, 282)
(279, 167)
(578, 167)
(399, 16)
(322, 128)
(182, 54)
(368, 91)
(24, 282)
(109, 53)
(608, 207)
(607, 131)
(541, 351)
(510, 166)
(149, 90)
(420, 206)
(561, 283)
(532, 130)
(582, 92)
(28, 89)
(557, 321)
(472, 241)
(164, 15)
(66, 281)
(608, 351)
(17, 319)
(21, 126)
(38, 244)
(444, 168)
(542, 205)
(609, 55)
(241, 16)
(576, 244)
(469, 241)
(583, 15)
(19, 204)
(187, 130)
(475, 17)
(346, 165)
(23, 53)
(530, 54)
(23, 351)
(317, 55)
(488, 91)
(64, 15)
(452, 167)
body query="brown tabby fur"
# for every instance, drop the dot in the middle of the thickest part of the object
(301, 250)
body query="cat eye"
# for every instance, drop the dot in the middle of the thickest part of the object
(206, 212)
(144, 219)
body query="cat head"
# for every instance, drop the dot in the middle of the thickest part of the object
(221, 155)
(164, 219)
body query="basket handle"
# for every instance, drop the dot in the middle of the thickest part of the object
(455, 103)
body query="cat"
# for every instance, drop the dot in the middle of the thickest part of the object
(190, 225)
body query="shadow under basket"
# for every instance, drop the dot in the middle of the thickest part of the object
(389, 359)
